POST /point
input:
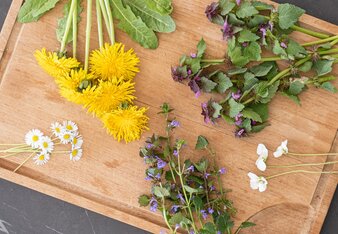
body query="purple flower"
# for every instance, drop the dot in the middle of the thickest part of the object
(175, 124)
(245, 44)
(253, 122)
(158, 176)
(206, 175)
(191, 169)
(238, 2)
(177, 74)
(210, 210)
(284, 45)
(193, 55)
(149, 146)
(181, 198)
(238, 119)
(263, 31)
(219, 232)
(211, 11)
(148, 178)
(161, 163)
(177, 226)
(194, 85)
(175, 153)
(204, 214)
(227, 30)
(153, 204)
(174, 209)
(208, 112)
(222, 171)
(240, 132)
(191, 232)
(236, 95)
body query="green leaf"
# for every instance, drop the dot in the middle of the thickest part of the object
(161, 192)
(151, 17)
(134, 26)
(323, 67)
(259, 127)
(262, 6)
(60, 30)
(306, 66)
(271, 92)
(257, 20)
(247, 224)
(294, 98)
(32, 10)
(252, 51)
(237, 58)
(202, 142)
(179, 218)
(279, 50)
(226, 6)
(262, 69)
(251, 114)
(190, 189)
(262, 109)
(249, 80)
(246, 10)
(296, 87)
(235, 108)
(223, 82)
(295, 50)
(143, 200)
(163, 7)
(217, 109)
(208, 228)
(329, 87)
(288, 15)
(224, 222)
(246, 35)
(247, 125)
(228, 119)
(207, 85)
(195, 65)
(202, 165)
(198, 203)
(201, 47)
(237, 71)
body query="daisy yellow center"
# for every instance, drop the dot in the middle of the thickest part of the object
(69, 127)
(75, 141)
(41, 157)
(58, 130)
(74, 152)
(35, 138)
(66, 136)
(45, 145)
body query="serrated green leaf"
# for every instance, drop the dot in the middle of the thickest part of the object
(295, 50)
(246, 35)
(247, 125)
(323, 67)
(32, 10)
(153, 19)
(246, 10)
(252, 51)
(235, 108)
(134, 26)
(163, 7)
(257, 20)
(251, 114)
(208, 228)
(262, 69)
(306, 66)
(278, 50)
(228, 119)
(60, 30)
(271, 92)
(161, 192)
(226, 6)
(207, 85)
(217, 110)
(190, 189)
(329, 87)
(294, 98)
(180, 219)
(201, 143)
(262, 6)
(201, 47)
(262, 109)
(259, 127)
(237, 58)
(296, 87)
(288, 15)
(237, 71)
(143, 200)
(249, 80)
(223, 82)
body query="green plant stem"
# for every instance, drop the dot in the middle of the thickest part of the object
(105, 17)
(111, 21)
(11, 144)
(218, 61)
(321, 79)
(99, 23)
(68, 24)
(333, 38)
(75, 30)
(88, 31)
(301, 171)
(18, 167)
(168, 145)
(249, 100)
(213, 154)
(302, 165)
(9, 155)
(310, 32)
(270, 59)
(312, 155)
(325, 52)
(164, 213)
(332, 43)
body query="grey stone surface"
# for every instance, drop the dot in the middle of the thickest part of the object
(25, 211)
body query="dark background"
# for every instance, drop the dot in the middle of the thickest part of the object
(25, 211)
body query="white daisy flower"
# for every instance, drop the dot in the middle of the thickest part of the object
(46, 144)
(70, 126)
(66, 137)
(57, 129)
(33, 138)
(41, 158)
(76, 154)
(77, 142)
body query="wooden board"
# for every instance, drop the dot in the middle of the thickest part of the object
(110, 176)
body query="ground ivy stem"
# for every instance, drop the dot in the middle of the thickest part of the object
(75, 29)
(333, 38)
(88, 31)
(310, 32)
(110, 21)
(300, 171)
(302, 165)
(68, 24)
(164, 213)
(99, 23)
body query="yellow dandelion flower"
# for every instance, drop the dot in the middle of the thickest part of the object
(109, 95)
(126, 124)
(72, 79)
(112, 61)
(53, 65)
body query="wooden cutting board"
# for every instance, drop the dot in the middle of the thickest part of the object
(110, 176)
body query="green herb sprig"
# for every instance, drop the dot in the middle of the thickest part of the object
(189, 194)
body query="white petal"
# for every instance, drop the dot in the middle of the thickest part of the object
(285, 146)
(260, 163)
(254, 184)
(279, 152)
(262, 150)
(252, 176)
(262, 185)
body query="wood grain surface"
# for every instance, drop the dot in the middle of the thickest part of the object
(110, 176)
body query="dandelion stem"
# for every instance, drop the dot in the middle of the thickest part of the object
(88, 31)
(310, 32)
(23, 162)
(301, 171)
(67, 28)
(99, 23)
(105, 17)
(320, 41)
(75, 29)
(111, 21)
(311, 155)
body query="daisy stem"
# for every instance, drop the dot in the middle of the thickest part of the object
(23, 162)
(11, 144)
(303, 164)
(99, 23)
(75, 29)
(88, 31)
(67, 28)
(311, 155)
(310, 32)
(60, 152)
(111, 21)
(8, 155)
(301, 171)
(320, 41)
(105, 17)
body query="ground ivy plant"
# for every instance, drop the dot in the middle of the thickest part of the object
(189, 195)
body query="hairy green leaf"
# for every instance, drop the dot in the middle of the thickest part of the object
(207, 85)
(143, 200)
(163, 7)
(295, 50)
(288, 15)
(161, 192)
(262, 69)
(32, 10)
(323, 67)
(262, 109)
(202, 142)
(235, 108)
(246, 35)
(329, 87)
(201, 47)
(251, 114)
(217, 110)
(252, 52)
(223, 82)
(296, 87)
(246, 10)
(226, 6)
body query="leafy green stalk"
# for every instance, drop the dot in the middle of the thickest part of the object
(110, 20)
(322, 41)
(88, 31)
(68, 25)
(75, 29)
(99, 23)
(310, 32)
